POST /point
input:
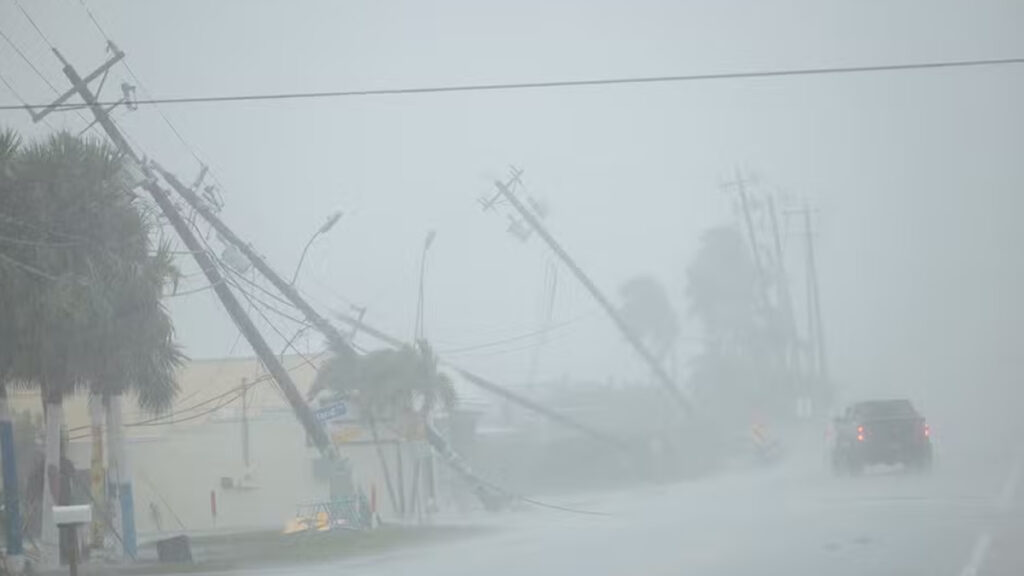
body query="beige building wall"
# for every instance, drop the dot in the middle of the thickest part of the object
(177, 461)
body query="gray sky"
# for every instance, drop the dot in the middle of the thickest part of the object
(916, 175)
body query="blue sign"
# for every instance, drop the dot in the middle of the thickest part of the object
(331, 412)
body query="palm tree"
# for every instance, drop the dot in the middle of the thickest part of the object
(87, 300)
(403, 385)
(135, 352)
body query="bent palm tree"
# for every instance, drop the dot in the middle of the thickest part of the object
(403, 385)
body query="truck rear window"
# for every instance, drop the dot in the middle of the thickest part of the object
(882, 409)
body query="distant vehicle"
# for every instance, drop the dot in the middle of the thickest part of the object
(881, 432)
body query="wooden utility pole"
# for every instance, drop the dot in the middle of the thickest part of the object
(666, 381)
(755, 251)
(313, 427)
(748, 219)
(338, 341)
(784, 294)
(334, 337)
(817, 357)
(814, 298)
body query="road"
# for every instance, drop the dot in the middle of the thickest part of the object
(963, 519)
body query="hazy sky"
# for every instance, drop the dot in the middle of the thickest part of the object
(916, 175)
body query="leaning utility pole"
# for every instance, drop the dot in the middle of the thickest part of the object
(505, 191)
(755, 251)
(814, 297)
(339, 343)
(817, 357)
(313, 427)
(748, 220)
(785, 296)
(321, 324)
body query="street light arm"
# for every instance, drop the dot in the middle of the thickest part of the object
(302, 258)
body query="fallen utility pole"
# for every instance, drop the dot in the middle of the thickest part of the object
(505, 191)
(485, 384)
(313, 427)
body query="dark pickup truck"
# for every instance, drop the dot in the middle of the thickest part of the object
(881, 432)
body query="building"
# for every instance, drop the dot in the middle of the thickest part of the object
(188, 465)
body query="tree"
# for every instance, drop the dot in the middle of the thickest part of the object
(649, 313)
(135, 351)
(738, 369)
(84, 285)
(402, 385)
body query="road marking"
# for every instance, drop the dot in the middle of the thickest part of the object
(1010, 486)
(978, 553)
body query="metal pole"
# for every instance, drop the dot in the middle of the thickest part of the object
(245, 424)
(295, 275)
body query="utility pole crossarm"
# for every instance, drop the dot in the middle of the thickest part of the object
(118, 56)
(602, 300)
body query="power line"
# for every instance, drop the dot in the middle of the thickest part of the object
(277, 331)
(33, 23)
(30, 65)
(18, 97)
(509, 340)
(193, 291)
(541, 85)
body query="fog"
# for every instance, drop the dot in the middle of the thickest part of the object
(914, 178)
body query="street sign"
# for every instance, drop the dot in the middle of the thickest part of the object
(331, 412)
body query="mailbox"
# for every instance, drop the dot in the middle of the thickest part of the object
(70, 515)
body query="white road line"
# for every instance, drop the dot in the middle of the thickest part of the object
(977, 555)
(1004, 502)
(1010, 486)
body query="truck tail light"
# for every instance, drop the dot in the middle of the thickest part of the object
(860, 433)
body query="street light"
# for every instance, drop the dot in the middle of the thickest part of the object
(427, 242)
(323, 229)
